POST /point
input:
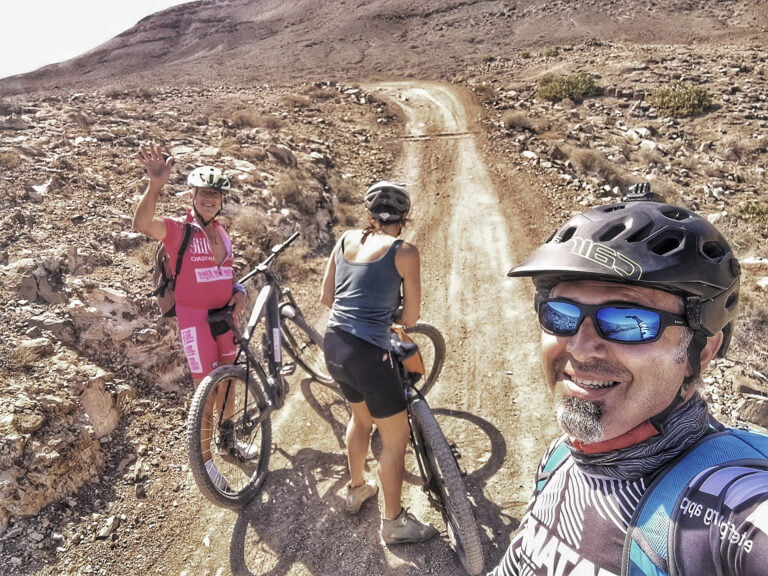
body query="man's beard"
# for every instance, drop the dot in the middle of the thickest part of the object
(581, 419)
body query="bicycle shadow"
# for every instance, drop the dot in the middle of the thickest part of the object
(329, 403)
(293, 523)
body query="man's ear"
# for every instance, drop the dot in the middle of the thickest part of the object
(711, 349)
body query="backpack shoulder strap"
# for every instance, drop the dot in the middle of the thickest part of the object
(183, 248)
(557, 455)
(646, 548)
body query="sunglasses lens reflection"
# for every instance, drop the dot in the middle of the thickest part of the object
(615, 324)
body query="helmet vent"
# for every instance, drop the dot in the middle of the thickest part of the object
(668, 244)
(641, 234)
(713, 251)
(612, 232)
(566, 235)
(675, 213)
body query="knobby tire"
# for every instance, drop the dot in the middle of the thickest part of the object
(445, 482)
(245, 464)
(305, 345)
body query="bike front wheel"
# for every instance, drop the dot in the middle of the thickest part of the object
(229, 436)
(304, 344)
(432, 349)
(444, 484)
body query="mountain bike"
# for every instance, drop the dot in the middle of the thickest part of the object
(437, 460)
(229, 431)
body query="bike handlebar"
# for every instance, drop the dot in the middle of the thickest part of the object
(262, 266)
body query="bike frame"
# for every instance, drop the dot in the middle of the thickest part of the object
(267, 306)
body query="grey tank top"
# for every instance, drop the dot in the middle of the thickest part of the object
(366, 296)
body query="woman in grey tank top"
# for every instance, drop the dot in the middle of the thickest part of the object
(373, 280)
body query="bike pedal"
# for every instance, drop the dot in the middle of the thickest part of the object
(288, 369)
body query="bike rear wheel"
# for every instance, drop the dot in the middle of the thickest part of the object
(432, 349)
(303, 343)
(446, 488)
(229, 436)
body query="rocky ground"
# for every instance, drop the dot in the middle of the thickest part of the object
(92, 447)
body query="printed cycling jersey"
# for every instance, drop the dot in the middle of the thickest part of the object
(577, 524)
(201, 283)
(201, 286)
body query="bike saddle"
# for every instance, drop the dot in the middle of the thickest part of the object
(402, 350)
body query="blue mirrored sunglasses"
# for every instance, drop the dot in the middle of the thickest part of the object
(614, 321)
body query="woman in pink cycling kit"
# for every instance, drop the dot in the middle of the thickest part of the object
(205, 281)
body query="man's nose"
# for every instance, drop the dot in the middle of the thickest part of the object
(586, 340)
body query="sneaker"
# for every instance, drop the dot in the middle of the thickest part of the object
(218, 480)
(405, 529)
(355, 497)
(239, 456)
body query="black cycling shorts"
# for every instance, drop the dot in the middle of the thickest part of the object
(364, 372)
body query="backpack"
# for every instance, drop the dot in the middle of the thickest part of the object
(646, 547)
(164, 278)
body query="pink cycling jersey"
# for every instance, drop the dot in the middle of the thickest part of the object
(202, 285)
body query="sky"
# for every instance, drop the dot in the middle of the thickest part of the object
(35, 33)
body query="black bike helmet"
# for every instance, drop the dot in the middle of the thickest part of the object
(649, 243)
(387, 202)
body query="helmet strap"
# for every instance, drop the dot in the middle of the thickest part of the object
(200, 216)
(696, 345)
(202, 220)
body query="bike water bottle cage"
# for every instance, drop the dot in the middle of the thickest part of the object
(620, 322)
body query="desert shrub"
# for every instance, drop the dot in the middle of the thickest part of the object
(513, 120)
(679, 100)
(296, 101)
(82, 119)
(7, 108)
(315, 92)
(576, 87)
(345, 190)
(246, 119)
(22, 359)
(292, 191)
(229, 147)
(485, 92)
(252, 119)
(253, 154)
(250, 230)
(552, 52)
(737, 149)
(752, 212)
(594, 163)
(10, 159)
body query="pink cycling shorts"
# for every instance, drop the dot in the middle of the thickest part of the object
(203, 351)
